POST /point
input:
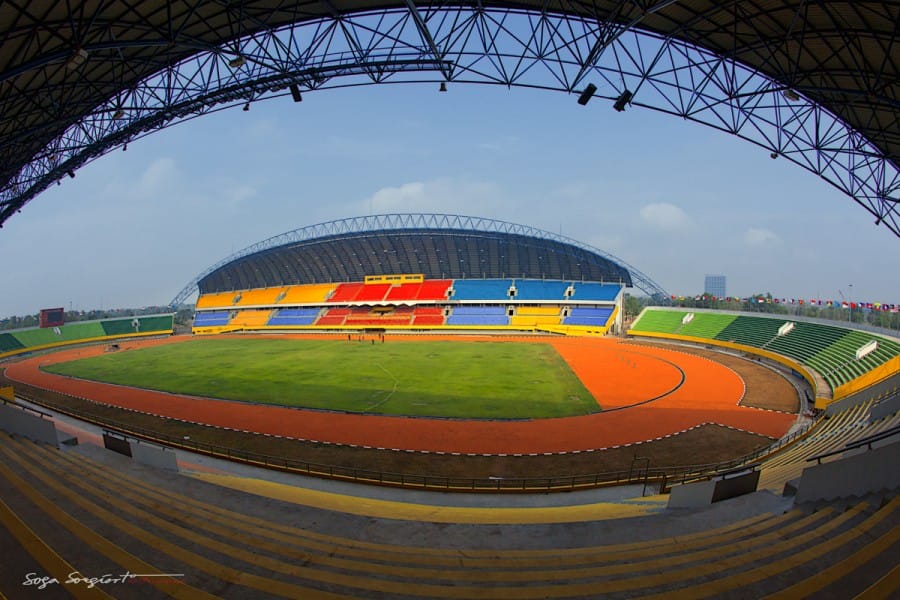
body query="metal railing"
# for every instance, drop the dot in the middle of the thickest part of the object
(664, 477)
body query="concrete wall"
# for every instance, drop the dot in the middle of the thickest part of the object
(857, 475)
(155, 456)
(28, 424)
(692, 495)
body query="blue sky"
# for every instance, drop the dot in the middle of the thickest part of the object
(675, 199)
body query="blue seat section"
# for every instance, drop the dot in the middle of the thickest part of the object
(596, 317)
(596, 291)
(478, 315)
(294, 316)
(533, 289)
(481, 289)
(211, 319)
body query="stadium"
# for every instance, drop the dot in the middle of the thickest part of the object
(431, 405)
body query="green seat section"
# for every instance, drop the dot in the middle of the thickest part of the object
(806, 340)
(659, 321)
(706, 325)
(751, 331)
(9, 343)
(841, 356)
(70, 332)
(130, 325)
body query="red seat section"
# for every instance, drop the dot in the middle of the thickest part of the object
(372, 293)
(346, 292)
(333, 316)
(434, 289)
(404, 291)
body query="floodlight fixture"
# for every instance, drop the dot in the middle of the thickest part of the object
(236, 62)
(443, 87)
(247, 107)
(295, 93)
(623, 100)
(118, 114)
(587, 94)
(71, 174)
(791, 95)
(773, 156)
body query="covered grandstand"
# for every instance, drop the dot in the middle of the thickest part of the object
(416, 271)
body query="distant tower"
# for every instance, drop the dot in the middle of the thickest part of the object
(715, 286)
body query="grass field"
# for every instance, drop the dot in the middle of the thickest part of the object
(495, 380)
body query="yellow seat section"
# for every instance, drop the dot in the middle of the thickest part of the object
(310, 293)
(220, 300)
(251, 318)
(537, 311)
(533, 316)
(260, 296)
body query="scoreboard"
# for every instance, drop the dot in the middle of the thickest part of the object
(52, 317)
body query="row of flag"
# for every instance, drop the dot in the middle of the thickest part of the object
(882, 306)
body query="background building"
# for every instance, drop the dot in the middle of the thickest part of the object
(714, 285)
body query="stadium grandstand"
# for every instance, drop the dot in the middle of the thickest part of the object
(836, 361)
(22, 341)
(416, 271)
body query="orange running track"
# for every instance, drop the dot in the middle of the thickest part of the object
(641, 388)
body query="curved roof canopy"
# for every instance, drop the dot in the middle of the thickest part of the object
(436, 245)
(815, 82)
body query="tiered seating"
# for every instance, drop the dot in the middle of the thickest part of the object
(805, 341)
(403, 292)
(346, 292)
(311, 293)
(534, 316)
(333, 316)
(481, 289)
(251, 319)
(428, 315)
(260, 297)
(531, 289)
(833, 433)
(478, 315)
(434, 289)
(220, 300)
(830, 350)
(596, 291)
(590, 317)
(373, 292)
(751, 331)
(144, 325)
(8, 343)
(63, 510)
(706, 325)
(659, 321)
(70, 332)
(212, 318)
(363, 316)
(293, 316)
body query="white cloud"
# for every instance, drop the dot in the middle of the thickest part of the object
(159, 174)
(442, 195)
(755, 236)
(665, 216)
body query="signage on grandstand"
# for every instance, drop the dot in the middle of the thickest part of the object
(53, 317)
(866, 350)
(786, 328)
(413, 278)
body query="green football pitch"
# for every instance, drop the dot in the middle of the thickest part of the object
(486, 380)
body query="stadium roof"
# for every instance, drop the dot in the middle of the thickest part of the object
(439, 246)
(77, 79)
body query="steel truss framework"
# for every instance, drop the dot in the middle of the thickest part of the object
(487, 45)
(415, 221)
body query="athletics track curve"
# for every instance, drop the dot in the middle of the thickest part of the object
(709, 393)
